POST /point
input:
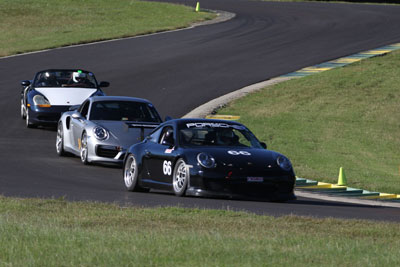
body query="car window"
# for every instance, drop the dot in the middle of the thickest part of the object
(227, 135)
(83, 110)
(124, 111)
(167, 136)
(155, 136)
(65, 78)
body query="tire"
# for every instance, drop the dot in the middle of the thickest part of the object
(60, 140)
(180, 178)
(23, 112)
(84, 149)
(28, 122)
(131, 172)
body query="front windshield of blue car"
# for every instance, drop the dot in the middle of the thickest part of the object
(124, 111)
(217, 134)
(65, 78)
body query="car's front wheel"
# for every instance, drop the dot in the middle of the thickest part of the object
(23, 112)
(28, 122)
(180, 178)
(84, 149)
(60, 140)
(131, 172)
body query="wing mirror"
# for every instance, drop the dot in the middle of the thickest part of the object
(76, 115)
(264, 145)
(25, 83)
(104, 84)
(168, 118)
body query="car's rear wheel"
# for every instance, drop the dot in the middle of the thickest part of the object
(60, 140)
(131, 173)
(84, 149)
(180, 178)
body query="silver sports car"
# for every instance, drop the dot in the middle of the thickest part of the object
(104, 127)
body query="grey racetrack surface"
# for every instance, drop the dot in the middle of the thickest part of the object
(179, 71)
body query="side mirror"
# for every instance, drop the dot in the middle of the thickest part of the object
(76, 115)
(104, 84)
(264, 145)
(168, 118)
(25, 83)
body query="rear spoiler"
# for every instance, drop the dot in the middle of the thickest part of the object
(142, 126)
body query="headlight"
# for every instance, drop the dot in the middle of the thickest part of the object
(41, 101)
(284, 163)
(206, 160)
(100, 133)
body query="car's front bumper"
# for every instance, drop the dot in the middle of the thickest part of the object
(105, 153)
(273, 188)
(271, 196)
(46, 116)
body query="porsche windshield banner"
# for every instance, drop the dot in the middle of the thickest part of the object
(213, 125)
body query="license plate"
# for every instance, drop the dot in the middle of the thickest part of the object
(255, 179)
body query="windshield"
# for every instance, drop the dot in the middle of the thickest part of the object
(123, 111)
(228, 135)
(65, 78)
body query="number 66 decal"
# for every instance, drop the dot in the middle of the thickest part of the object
(167, 169)
(236, 153)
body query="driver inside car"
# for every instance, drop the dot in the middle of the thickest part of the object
(79, 79)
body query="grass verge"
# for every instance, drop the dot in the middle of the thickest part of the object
(343, 117)
(34, 25)
(56, 232)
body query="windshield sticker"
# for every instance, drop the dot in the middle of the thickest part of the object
(213, 125)
(236, 153)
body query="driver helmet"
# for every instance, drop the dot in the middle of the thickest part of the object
(48, 79)
(169, 136)
(78, 77)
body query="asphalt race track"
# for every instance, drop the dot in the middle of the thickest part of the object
(179, 71)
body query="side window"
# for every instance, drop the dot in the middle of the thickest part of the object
(155, 136)
(84, 109)
(167, 136)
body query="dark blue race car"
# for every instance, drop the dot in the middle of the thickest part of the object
(201, 157)
(53, 92)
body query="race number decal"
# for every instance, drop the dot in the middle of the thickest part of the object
(236, 153)
(167, 169)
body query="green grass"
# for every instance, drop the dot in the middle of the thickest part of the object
(59, 233)
(345, 117)
(34, 25)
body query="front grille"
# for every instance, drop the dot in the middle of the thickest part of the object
(241, 186)
(107, 151)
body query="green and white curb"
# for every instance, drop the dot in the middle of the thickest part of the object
(326, 191)
(343, 61)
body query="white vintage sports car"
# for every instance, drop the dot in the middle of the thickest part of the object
(104, 127)
(53, 92)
